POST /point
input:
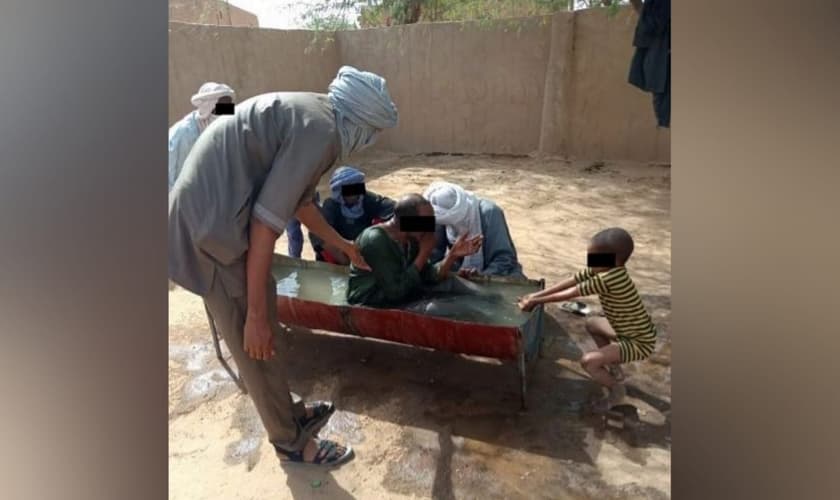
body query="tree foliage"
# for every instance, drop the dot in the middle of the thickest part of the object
(328, 22)
(332, 15)
(339, 14)
(391, 12)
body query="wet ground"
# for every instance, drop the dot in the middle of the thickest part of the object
(426, 424)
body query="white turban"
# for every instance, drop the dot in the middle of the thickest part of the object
(205, 100)
(458, 210)
(362, 106)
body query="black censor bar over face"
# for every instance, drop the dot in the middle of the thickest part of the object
(223, 108)
(353, 189)
(417, 223)
(600, 260)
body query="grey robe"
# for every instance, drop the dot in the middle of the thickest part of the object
(264, 160)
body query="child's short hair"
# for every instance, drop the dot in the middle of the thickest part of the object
(615, 240)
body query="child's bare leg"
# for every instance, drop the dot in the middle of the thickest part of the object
(601, 331)
(603, 334)
(595, 364)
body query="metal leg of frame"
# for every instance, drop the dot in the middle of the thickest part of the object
(522, 376)
(219, 355)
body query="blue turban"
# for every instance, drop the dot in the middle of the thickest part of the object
(342, 177)
(362, 106)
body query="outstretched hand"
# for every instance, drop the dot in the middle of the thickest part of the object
(468, 272)
(464, 246)
(527, 303)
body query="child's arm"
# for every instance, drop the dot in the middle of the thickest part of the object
(572, 280)
(528, 303)
(584, 283)
(556, 288)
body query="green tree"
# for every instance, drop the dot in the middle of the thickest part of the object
(390, 12)
(334, 15)
(329, 22)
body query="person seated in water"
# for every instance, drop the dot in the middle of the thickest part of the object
(399, 259)
(458, 212)
(349, 214)
(627, 333)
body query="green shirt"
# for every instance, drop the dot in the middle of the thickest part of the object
(394, 279)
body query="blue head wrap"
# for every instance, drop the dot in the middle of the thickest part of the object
(341, 177)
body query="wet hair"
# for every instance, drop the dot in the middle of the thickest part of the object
(410, 205)
(615, 240)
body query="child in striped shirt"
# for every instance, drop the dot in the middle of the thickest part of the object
(627, 333)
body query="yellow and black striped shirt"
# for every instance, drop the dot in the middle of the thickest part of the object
(620, 300)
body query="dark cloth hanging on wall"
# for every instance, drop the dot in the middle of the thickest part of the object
(650, 69)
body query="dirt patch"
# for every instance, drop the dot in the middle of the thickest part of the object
(433, 425)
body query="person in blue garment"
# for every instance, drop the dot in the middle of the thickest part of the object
(184, 133)
(459, 212)
(294, 233)
(349, 214)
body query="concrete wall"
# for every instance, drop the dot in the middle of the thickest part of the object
(459, 87)
(553, 84)
(252, 61)
(608, 117)
(215, 12)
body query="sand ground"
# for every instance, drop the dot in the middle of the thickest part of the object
(434, 425)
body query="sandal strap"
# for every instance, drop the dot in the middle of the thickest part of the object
(320, 410)
(326, 452)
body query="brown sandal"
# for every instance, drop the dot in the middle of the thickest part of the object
(329, 454)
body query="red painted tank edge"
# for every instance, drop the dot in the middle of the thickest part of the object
(500, 342)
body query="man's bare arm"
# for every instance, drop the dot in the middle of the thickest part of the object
(337, 254)
(427, 244)
(310, 216)
(258, 333)
(258, 265)
(445, 265)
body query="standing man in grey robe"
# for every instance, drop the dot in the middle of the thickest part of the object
(246, 177)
